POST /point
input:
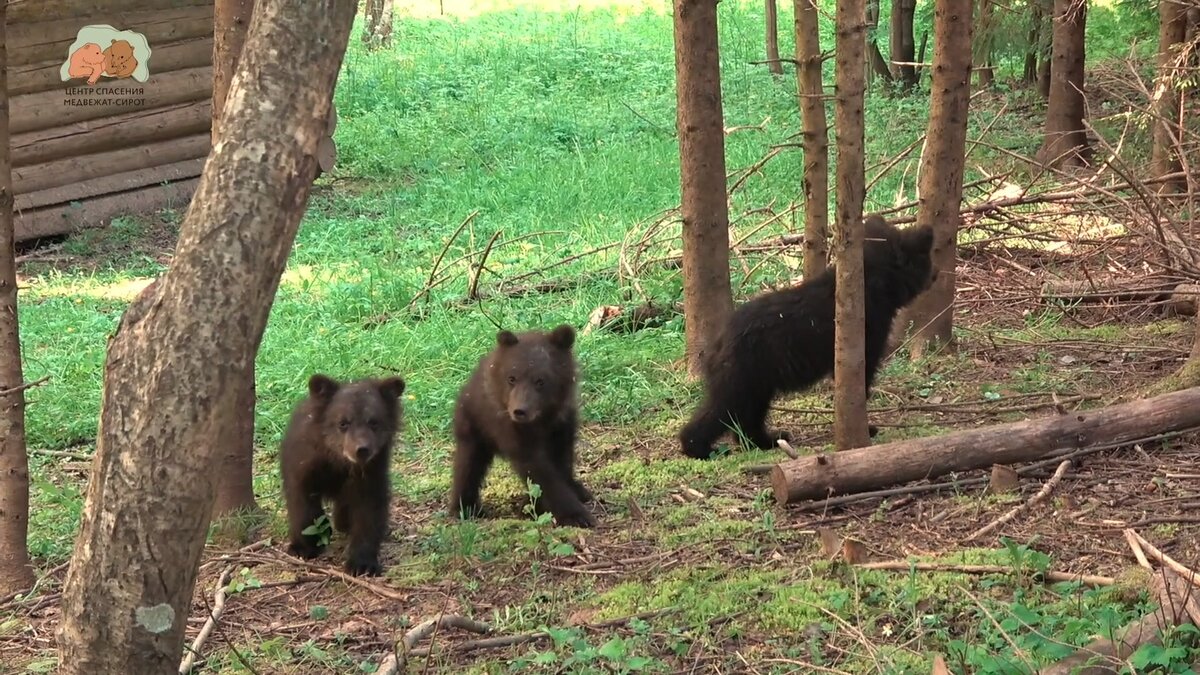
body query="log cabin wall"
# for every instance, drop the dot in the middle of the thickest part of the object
(135, 151)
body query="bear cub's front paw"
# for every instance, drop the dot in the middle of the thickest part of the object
(304, 548)
(364, 565)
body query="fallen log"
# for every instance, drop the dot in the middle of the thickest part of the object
(108, 184)
(112, 133)
(1149, 289)
(99, 211)
(870, 468)
(44, 75)
(33, 112)
(38, 41)
(72, 170)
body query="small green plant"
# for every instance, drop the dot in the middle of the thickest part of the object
(540, 535)
(322, 529)
(572, 653)
(244, 579)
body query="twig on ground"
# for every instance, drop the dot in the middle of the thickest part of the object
(1136, 547)
(1050, 576)
(510, 640)
(477, 273)
(248, 548)
(79, 456)
(398, 658)
(27, 385)
(213, 616)
(1188, 575)
(1028, 504)
(787, 449)
(438, 261)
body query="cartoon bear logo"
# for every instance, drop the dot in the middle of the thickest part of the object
(101, 50)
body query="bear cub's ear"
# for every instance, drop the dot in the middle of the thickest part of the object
(391, 388)
(563, 337)
(322, 387)
(506, 338)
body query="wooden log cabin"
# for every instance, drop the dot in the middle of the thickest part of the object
(80, 164)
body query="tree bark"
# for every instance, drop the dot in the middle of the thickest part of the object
(940, 176)
(985, 37)
(876, 64)
(849, 361)
(1066, 142)
(377, 33)
(1037, 19)
(16, 573)
(235, 444)
(773, 62)
(1168, 115)
(904, 43)
(707, 296)
(825, 475)
(182, 346)
(1045, 47)
(816, 139)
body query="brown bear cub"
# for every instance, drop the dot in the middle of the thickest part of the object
(782, 341)
(520, 404)
(338, 446)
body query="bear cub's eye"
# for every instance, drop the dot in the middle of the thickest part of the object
(373, 424)
(540, 382)
(344, 425)
(512, 380)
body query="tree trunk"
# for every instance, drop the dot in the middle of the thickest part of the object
(940, 176)
(378, 30)
(904, 42)
(16, 574)
(984, 44)
(1045, 47)
(235, 445)
(816, 139)
(707, 296)
(773, 62)
(876, 64)
(1037, 19)
(1066, 142)
(184, 344)
(1168, 127)
(849, 361)
(825, 475)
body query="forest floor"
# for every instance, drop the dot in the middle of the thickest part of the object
(525, 122)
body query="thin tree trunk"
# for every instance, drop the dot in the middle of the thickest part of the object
(849, 362)
(1037, 18)
(235, 445)
(184, 344)
(378, 30)
(816, 139)
(707, 297)
(1045, 47)
(16, 574)
(1164, 158)
(1066, 142)
(773, 62)
(904, 42)
(940, 177)
(984, 46)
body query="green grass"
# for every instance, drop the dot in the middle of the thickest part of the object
(556, 125)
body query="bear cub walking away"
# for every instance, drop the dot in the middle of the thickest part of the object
(520, 404)
(338, 446)
(782, 341)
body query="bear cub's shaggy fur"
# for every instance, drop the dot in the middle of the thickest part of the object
(520, 403)
(338, 446)
(782, 341)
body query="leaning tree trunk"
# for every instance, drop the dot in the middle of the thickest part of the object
(16, 574)
(816, 139)
(707, 297)
(1066, 142)
(1167, 138)
(235, 445)
(1033, 50)
(182, 348)
(773, 62)
(941, 174)
(876, 64)
(904, 42)
(849, 360)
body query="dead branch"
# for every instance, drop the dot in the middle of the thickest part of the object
(1050, 577)
(27, 385)
(1021, 508)
(398, 658)
(213, 616)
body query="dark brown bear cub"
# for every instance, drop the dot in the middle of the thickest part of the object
(782, 341)
(338, 446)
(520, 404)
